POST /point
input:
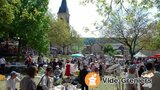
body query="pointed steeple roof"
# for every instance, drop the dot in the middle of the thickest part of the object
(63, 8)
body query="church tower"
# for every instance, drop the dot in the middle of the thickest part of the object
(63, 12)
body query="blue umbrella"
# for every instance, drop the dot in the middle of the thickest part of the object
(77, 55)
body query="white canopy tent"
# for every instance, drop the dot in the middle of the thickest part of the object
(140, 55)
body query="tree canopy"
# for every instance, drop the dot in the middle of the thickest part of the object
(59, 33)
(8, 8)
(63, 35)
(30, 24)
(127, 20)
(109, 50)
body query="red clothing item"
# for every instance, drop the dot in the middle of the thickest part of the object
(68, 67)
(30, 59)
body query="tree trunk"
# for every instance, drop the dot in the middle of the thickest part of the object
(131, 53)
(67, 51)
(132, 56)
(78, 48)
(63, 50)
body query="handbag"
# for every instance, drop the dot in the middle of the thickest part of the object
(39, 87)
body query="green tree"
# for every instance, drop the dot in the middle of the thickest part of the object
(76, 40)
(109, 50)
(31, 25)
(155, 40)
(63, 35)
(153, 43)
(8, 8)
(59, 34)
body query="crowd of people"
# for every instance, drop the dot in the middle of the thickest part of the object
(74, 70)
(27, 82)
(69, 71)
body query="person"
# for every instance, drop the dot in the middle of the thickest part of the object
(140, 71)
(73, 69)
(102, 70)
(60, 63)
(82, 76)
(125, 69)
(132, 73)
(29, 60)
(79, 64)
(47, 80)
(27, 83)
(40, 61)
(2, 64)
(92, 67)
(157, 67)
(153, 75)
(12, 80)
(53, 64)
(68, 69)
(57, 73)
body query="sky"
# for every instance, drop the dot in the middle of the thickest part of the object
(80, 16)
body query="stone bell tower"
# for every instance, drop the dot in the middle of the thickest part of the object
(63, 12)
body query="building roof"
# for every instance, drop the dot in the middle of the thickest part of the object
(63, 8)
(89, 41)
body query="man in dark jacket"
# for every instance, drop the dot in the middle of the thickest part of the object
(153, 75)
(82, 76)
(27, 83)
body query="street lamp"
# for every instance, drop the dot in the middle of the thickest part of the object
(19, 48)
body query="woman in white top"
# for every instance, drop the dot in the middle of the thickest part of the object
(2, 64)
(47, 80)
(12, 80)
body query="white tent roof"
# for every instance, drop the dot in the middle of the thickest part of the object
(139, 54)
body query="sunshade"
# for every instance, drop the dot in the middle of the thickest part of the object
(157, 55)
(140, 55)
(77, 55)
(151, 57)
